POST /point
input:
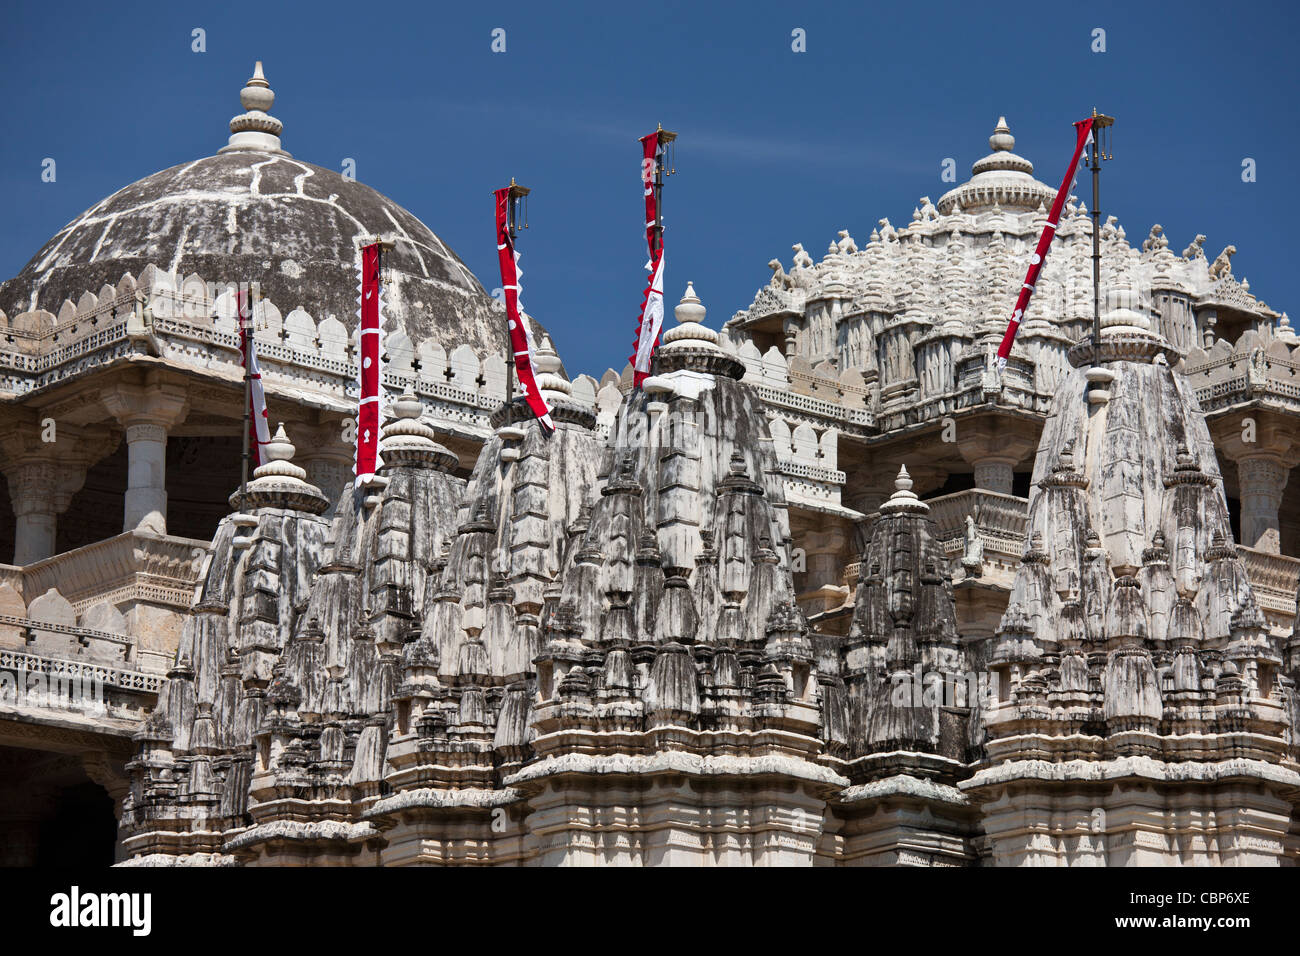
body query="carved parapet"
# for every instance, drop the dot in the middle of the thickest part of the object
(1228, 293)
(770, 302)
(1273, 579)
(1253, 370)
(1000, 519)
(128, 567)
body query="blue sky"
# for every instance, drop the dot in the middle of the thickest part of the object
(776, 147)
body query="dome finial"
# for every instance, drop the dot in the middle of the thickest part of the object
(904, 499)
(690, 333)
(256, 129)
(1002, 140)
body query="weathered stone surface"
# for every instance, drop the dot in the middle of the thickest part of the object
(1133, 630)
(257, 214)
(693, 626)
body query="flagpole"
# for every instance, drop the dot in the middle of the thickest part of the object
(659, 197)
(1099, 123)
(514, 194)
(1094, 163)
(244, 332)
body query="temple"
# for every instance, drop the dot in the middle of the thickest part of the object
(830, 589)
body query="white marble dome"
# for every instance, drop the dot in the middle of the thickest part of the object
(255, 212)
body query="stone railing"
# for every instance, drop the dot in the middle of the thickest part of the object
(1274, 579)
(810, 472)
(118, 603)
(57, 700)
(190, 323)
(1255, 367)
(129, 567)
(999, 519)
(64, 641)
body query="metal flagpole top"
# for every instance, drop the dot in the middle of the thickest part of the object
(1100, 150)
(515, 193)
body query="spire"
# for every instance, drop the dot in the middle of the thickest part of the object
(1002, 143)
(256, 129)
(904, 499)
(1284, 330)
(1124, 313)
(1001, 179)
(1002, 138)
(690, 331)
(693, 345)
(408, 441)
(279, 483)
(550, 379)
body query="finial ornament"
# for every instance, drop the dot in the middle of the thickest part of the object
(550, 380)
(407, 441)
(904, 499)
(278, 482)
(256, 129)
(1284, 329)
(690, 332)
(1002, 140)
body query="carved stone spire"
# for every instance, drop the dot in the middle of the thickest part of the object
(904, 499)
(408, 441)
(279, 483)
(999, 179)
(693, 346)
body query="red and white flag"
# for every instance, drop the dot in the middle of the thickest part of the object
(1083, 132)
(259, 429)
(521, 339)
(651, 319)
(369, 367)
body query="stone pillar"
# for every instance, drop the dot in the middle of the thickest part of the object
(993, 445)
(1265, 446)
(43, 476)
(146, 412)
(1261, 480)
(145, 504)
(995, 474)
(35, 510)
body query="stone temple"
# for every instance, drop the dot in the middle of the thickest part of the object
(831, 589)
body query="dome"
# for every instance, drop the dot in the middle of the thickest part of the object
(254, 212)
(1001, 178)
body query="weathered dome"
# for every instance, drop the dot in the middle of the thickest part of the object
(253, 212)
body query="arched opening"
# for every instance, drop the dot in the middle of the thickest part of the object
(81, 831)
(52, 813)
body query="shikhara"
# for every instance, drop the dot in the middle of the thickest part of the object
(674, 631)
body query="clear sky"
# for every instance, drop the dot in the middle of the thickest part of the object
(775, 146)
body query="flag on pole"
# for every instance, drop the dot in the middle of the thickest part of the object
(521, 339)
(1083, 136)
(259, 429)
(369, 366)
(651, 319)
